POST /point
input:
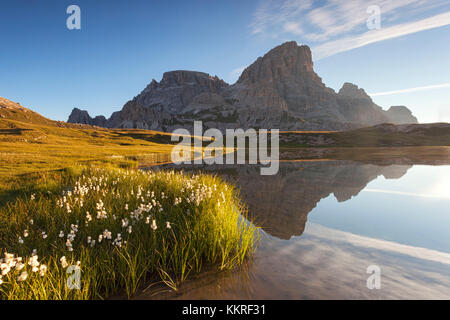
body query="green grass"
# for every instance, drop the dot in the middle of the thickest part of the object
(43, 160)
(31, 145)
(207, 230)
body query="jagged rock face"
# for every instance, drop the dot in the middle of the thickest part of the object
(284, 78)
(355, 104)
(357, 107)
(349, 90)
(178, 89)
(279, 90)
(158, 105)
(79, 116)
(83, 117)
(400, 115)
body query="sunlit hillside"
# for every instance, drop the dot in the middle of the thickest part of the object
(30, 143)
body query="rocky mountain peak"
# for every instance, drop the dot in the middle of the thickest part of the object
(183, 77)
(284, 61)
(79, 116)
(180, 78)
(351, 90)
(401, 114)
(83, 117)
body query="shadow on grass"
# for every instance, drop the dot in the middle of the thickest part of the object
(157, 138)
(15, 131)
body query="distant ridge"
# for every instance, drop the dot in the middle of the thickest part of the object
(18, 120)
(279, 90)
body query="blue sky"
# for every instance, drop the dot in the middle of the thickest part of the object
(123, 45)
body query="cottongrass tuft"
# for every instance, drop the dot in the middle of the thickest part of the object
(148, 227)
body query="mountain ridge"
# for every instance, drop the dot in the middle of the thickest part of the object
(279, 90)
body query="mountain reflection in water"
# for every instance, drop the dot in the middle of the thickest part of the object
(408, 238)
(280, 204)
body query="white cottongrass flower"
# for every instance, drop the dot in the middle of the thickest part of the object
(69, 245)
(19, 266)
(31, 221)
(130, 229)
(63, 261)
(107, 234)
(61, 234)
(23, 276)
(44, 235)
(25, 233)
(34, 263)
(101, 213)
(154, 226)
(20, 240)
(168, 225)
(5, 268)
(118, 240)
(42, 270)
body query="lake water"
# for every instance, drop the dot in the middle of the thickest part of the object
(325, 222)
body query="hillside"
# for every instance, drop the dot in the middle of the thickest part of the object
(32, 144)
(383, 135)
(12, 111)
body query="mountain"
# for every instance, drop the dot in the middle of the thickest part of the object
(279, 90)
(83, 117)
(401, 115)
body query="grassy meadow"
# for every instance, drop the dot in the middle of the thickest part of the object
(376, 136)
(73, 205)
(121, 229)
(31, 150)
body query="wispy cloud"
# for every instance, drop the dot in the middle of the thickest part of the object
(379, 244)
(276, 13)
(411, 194)
(348, 43)
(435, 86)
(293, 27)
(338, 26)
